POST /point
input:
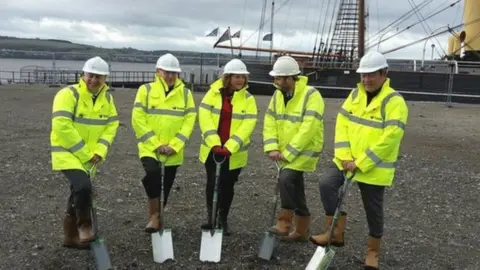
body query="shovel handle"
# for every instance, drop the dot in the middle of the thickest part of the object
(218, 162)
(347, 181)
(93, 212)
(341, 196)
(349, 178)
(162, 195)
(218, 167)
(275, 194)
(277, 164)
(92, 171)
(162, 159)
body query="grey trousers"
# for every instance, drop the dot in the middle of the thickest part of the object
(372, 197)
(292, 192)
(80, 188)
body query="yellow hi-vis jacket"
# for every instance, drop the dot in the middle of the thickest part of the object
(244, 120)
(296, 130)
(81, 128)
(163, 116)
(371, 135)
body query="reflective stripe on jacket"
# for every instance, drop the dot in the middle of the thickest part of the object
(296, 130)
(371, 135)
(161, 118)
(244, 120)
(81, 128)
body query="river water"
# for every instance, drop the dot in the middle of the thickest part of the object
(13, 68)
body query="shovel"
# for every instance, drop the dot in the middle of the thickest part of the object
(269, 240)
(162, 243)
(98, 246)
(323, 256)
(211, 245)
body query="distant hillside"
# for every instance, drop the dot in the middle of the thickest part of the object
(36, 48)
(36, 44)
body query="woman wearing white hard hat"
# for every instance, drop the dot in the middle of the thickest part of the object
(163, 118)
(84, 125)
(227, 117)
(368, 133)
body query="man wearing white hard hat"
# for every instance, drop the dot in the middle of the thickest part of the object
(84, 126)
(227, 118)
(368, 133)
(293, 136)
(163, 118)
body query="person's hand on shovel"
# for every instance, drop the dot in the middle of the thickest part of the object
(169, 150)
(349, 165)
(161, 149)
(276, 156)
(221, 151)
(95, 159)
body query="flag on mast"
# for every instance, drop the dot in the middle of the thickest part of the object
(226, 36)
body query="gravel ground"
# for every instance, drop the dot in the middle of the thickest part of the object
(432, 214)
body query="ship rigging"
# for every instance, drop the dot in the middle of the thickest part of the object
(342, 26)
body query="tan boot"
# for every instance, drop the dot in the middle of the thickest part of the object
(301, 231)
(338, 232)
(71, 239)
(153, 215)
(84, 226)
(373, 249)
(284, 221)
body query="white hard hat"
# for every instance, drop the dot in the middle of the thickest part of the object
(371, 62)
(96, 65)
(235, 66)
(285, 66)
(168, 62)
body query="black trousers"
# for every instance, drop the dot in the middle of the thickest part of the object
(292, 192)
(80, 189)
(228, 178)
(372, 197)
(152, 179)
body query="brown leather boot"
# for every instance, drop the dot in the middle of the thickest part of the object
(84, 226)
(301, 231)
(71, 239)
(153, 215)
(338, 232)
(284, 221)
(373, 249)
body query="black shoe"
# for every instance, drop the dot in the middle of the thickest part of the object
(224, 226)
(207, 226)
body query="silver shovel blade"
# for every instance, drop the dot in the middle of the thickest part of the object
(162, 245)
(100, 253)
(211, 246)
(321, 259)
(267, 246)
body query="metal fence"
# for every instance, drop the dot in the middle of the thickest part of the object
(218, 60)
(42, 75)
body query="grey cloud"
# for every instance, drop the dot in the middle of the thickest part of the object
(107, 12)
(167, 20)
(174, 14)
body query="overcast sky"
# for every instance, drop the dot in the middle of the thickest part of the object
(182, 25)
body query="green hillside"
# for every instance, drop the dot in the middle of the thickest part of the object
(36, 48)
(57, 45)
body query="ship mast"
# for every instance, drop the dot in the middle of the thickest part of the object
(361, 28)
(344, 33)
(262, 22)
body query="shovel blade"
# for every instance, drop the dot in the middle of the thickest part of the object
(321, 259)
(211, 246)
(100, 253)
(162, 246)
(267, 246)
